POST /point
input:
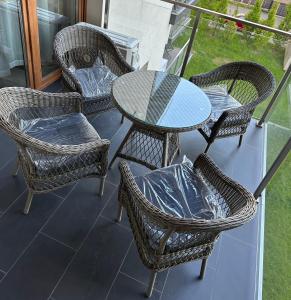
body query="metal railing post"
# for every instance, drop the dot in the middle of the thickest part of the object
(192, 38)
(273, 169)
(275, 96)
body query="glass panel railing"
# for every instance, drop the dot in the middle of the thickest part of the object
(277, 262)
(219, 41)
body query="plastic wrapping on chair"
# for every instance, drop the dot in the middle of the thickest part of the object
(220, 100)
(95, 81)
(71, 129)
(180, 191)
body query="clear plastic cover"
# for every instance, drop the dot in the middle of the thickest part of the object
(95, 81)
(220, 100)
(181, 191)
(71, 129)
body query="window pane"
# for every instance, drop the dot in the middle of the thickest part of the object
(53, 15)
(12, 63)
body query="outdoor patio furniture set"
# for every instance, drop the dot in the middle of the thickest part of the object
(176, 212)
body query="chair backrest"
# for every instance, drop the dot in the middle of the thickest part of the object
(248, 82)
(80, 46)
(149, 218)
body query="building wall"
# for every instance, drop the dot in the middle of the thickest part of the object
(146, 20)
(95, 12)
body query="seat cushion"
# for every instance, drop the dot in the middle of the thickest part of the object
(181, 192)
(95, 81)
(220, 100)
(71, 129)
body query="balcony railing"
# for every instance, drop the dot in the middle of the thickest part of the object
(214, 39)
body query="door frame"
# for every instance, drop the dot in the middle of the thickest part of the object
(31, 37)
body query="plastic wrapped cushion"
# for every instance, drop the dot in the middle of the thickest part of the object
(95, 81)
(220, 100)
(181, 192)
(71, 129)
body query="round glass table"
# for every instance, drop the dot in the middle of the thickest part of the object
(160, 105)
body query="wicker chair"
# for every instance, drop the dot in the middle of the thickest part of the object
(165, 239)
(234, 90)
(56, 143)
(90, 62)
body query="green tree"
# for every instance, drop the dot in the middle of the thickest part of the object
(285, 25)
(254, 14)
(263, 35)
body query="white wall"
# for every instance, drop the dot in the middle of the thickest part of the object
(95, 12)
(146, 20)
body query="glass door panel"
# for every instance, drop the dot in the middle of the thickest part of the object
(12, 62)
(53, 15)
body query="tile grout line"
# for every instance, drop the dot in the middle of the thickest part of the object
(59, 242)
(12, 203)
(81, 245)
(144, 284)
(34, 238)
(163, 288)
(117, 223)
(119, 269)
(239, 240)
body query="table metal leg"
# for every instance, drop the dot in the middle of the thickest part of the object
(120, 147)
(165, 150)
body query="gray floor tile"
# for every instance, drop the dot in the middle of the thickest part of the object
(11, 187)
(8, 149)
(129, 289)
(37, 271)
(17, 230)
(235, 274)
(183, 283)
(95, 266)
(1, 275)
(107, 123)
(66, 190)
(111, 210)
(134, 267)
(77, 214)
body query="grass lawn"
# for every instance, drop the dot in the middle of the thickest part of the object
(211, 49)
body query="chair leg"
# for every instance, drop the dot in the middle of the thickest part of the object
(122, 119)
(207, 148)
(16, 169)
(28, 202)
(240, 140)
(152, 281)
(203, 267)
(102, 183)
(120, 211)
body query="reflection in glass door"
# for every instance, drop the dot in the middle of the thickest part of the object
(12, 62)
(53, 15)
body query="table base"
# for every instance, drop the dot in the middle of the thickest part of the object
(147, 147)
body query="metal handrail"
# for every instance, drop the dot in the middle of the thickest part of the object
(273, 169)
(228, 17)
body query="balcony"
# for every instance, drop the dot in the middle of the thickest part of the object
(70, 247)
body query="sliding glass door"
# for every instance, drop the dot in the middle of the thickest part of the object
(53, 15)
(12, 58)
(27, 32)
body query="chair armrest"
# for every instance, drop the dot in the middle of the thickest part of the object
(227, 187)
(26, 97)
(206, 79)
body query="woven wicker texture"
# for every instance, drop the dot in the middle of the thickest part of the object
(160, 106)
(79, 47)
(164, 240)
(248, 83)
(56, 144)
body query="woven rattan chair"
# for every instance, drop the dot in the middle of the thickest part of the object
(90, 62)
(56, 143)
(234, 90)
(163, 239)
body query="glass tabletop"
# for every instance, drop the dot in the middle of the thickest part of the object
(161, 100)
